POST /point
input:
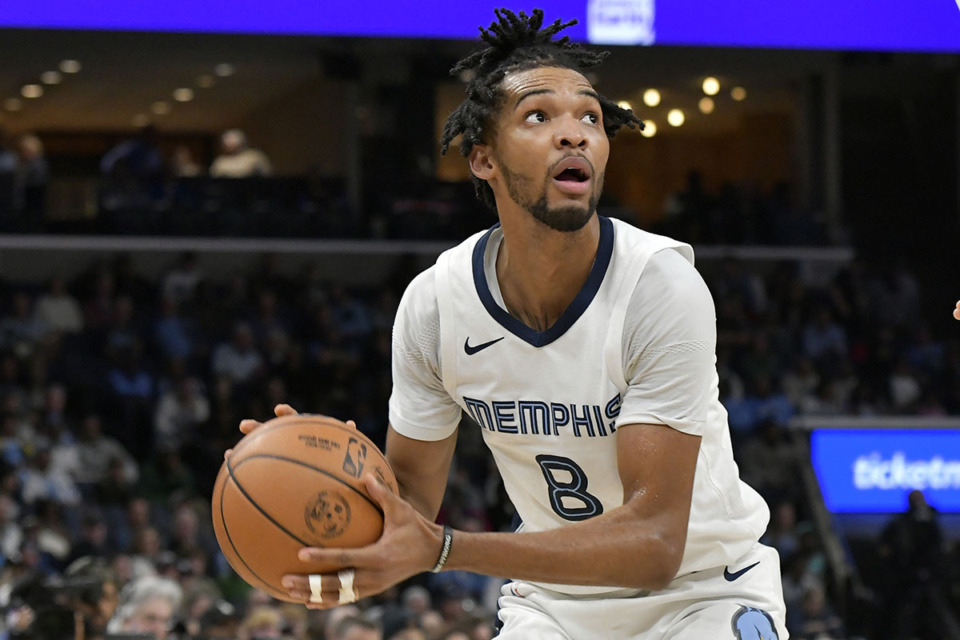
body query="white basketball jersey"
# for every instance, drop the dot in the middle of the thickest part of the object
(548, 402)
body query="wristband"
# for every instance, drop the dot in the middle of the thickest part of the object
(444, 550)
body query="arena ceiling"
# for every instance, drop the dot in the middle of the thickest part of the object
(124, 75)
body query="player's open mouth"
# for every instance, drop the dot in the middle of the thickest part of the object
(572, 175)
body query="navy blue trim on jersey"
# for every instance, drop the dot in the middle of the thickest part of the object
(570, 314)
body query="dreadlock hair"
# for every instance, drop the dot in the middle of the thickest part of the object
(517, 42)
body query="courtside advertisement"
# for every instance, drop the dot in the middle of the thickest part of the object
(873, 470)
(880, 25)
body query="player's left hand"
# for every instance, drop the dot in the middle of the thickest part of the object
(410, 544)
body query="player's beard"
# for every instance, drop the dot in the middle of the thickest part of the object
(565, 217)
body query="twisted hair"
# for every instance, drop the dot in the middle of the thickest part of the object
(517, 42)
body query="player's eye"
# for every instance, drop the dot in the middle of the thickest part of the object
(591, 118)
(535, 116)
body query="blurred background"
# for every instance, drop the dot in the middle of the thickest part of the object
(207, 208)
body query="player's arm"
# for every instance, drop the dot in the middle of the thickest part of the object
(638, 545)
(421, 468)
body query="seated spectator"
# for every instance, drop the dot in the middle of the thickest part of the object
(180, 413)
(102, 457)
(148, 605)
(58, 309)
(239, 358)
(237, 159)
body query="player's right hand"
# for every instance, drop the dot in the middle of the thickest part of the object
(248, 424)
(956, 311)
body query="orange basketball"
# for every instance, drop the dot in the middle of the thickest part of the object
(294, 482)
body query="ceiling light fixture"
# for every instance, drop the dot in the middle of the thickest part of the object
(649, 129)
(706, 105)
(224, 70)
(738, 93)
(51, 77)
(651, 97)
(183, 95)
(676, 118)
(70, 66)
(31, 91)
(711, 86)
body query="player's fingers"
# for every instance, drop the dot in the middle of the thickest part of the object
(387, 500)
(227, 453)
(351, 424)
(956, 311)
(247, 425)
(326, 589)
(284, 409)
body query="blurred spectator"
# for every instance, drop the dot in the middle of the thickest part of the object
(57, 309)
(147, 605)
(99, 452)
(132, 173)
(183, 164)
(814, 619)
(262, 622)
(912, 545)
(237, 159)
(138, 156)
(180, 413)
(181, 281)
(21, 331)
(31, 176)
(356, 628)
(238, 359)
(164, 479)
(42, 481)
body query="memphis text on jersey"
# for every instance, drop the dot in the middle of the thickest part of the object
(538, 418)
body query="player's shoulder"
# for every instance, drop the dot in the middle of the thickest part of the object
(631, 238)
(419, 299)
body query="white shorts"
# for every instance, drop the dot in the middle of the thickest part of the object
(722, 603)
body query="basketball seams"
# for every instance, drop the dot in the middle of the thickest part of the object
(274, 456)
(236, 552)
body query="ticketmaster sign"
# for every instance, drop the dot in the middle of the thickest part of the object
(873, 470)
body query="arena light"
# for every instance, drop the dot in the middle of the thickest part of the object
(738, 93)
(711, 86)
(51, 77)
(13, 104)
(70, 66)
(205, 81)
(676, 118)
(623, 104)
(649, 129)
(183, 94)
(31, 91)
(160, 108)
(224, 70)
(706, 105)
(651, 97)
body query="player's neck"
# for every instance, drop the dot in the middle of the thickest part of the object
(540, 271)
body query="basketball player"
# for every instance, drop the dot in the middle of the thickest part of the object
(584, 350)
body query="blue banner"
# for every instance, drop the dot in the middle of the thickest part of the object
(873, 470)
(881, 25)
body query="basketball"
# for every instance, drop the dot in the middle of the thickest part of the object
(295, 482)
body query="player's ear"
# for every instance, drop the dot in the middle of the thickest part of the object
(481, 161)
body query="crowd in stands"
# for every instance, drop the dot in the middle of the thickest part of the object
(119, 394)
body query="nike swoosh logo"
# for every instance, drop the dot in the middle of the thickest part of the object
(480, 347)
(730, 577)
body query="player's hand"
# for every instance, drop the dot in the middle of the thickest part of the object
(956, 311)
(410, 545)
(247, 425)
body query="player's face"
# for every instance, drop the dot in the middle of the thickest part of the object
(549, 148)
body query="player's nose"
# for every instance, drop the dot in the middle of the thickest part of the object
(570, 134)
